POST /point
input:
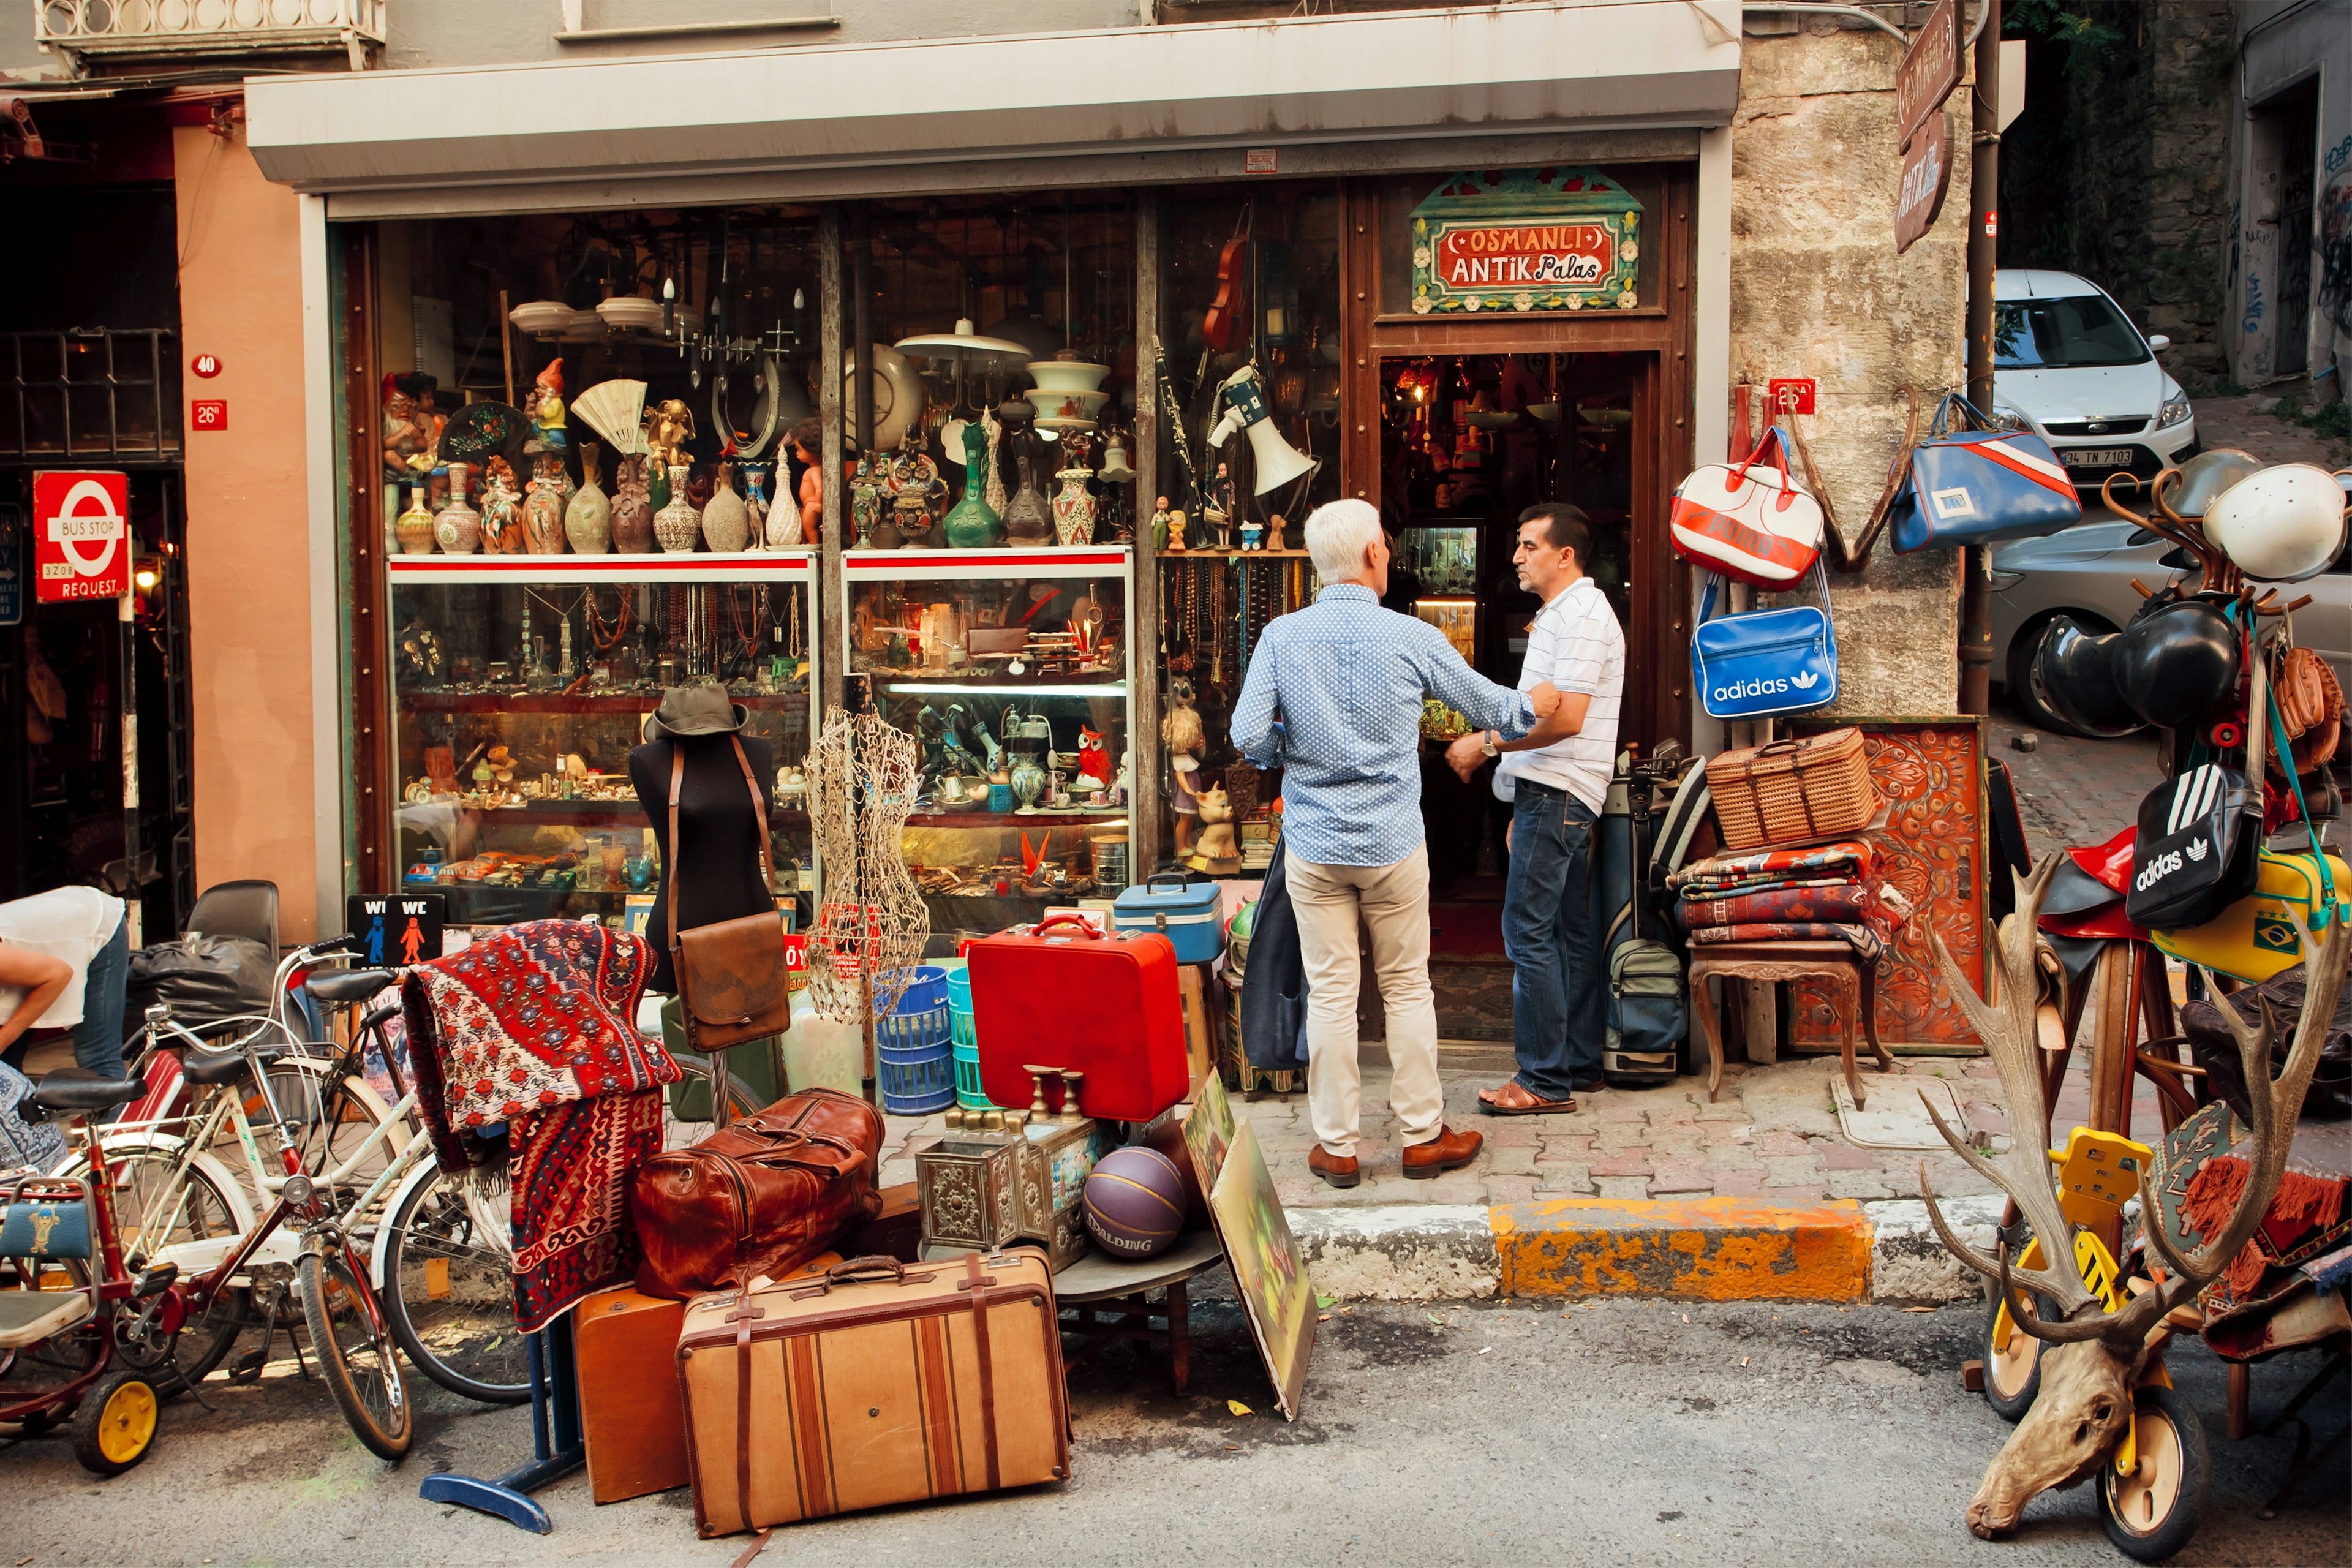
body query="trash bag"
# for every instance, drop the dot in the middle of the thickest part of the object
(2214, 1049)
(204, 978)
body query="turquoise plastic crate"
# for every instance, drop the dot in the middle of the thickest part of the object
(965, 1037)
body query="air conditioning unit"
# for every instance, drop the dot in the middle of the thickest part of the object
(92, 32)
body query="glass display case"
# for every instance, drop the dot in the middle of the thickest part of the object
(1013, 668)
(520, 685)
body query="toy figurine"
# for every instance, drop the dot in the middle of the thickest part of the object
(1250, 536)
(1218, 853)
(1185, 743)
(1217, 509)
(547, 406)
(808, 445)
(1094, 757)
(410, 429)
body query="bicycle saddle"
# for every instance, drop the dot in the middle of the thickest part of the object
(343, 988)
(219, 1067)
(71, 1091)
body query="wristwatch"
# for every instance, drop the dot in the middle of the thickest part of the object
(1488, 745)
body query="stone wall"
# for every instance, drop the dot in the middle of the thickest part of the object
(2129, 186)
(1817, 291)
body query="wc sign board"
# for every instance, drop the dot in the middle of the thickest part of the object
(395, 929)
(81, 536)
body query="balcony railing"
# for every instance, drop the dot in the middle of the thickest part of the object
(126, 30)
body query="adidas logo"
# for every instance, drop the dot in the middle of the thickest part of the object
(1804, 682)
(2196, 849)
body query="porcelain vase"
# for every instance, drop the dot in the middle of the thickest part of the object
(677, 526)
(457, 529)
(632, 509)
(542, 509)
(726, 519)
(501, 510)
(755, 504)
(414, 526)
(1074, 509)
(588, 515)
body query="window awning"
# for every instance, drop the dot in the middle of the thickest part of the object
(1034, 110)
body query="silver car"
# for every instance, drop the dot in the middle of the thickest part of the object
(2087, 573)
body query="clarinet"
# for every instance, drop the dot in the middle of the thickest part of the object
(1175, 418)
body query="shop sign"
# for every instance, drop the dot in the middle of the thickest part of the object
(81, 536)
(1526, 240)
(395, 929)
(1927, 173)
(1929, 71)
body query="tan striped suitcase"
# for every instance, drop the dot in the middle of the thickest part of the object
(880, 1382)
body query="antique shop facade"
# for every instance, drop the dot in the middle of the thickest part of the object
(1475, 259)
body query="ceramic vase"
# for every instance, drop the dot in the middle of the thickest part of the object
(677, 526)
(414, 527)
(458, 528)
(542, 510)
(865, 504)
(1074, 509)
(1028, 783)
(502, 511)
(632, 509)
(755, 503)
(973, 524)
(726, 519)
(1027, 519)
(588, 515)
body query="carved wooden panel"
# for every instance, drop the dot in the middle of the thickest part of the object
(1933, 851)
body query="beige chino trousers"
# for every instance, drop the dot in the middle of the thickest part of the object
(1393, 903)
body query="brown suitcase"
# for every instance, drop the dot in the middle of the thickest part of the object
(879, 1384)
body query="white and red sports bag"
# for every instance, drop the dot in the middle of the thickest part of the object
(1750, 522)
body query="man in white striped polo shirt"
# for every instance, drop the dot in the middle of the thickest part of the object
(1556, 778)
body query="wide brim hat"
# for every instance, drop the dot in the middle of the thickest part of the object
(694, 710)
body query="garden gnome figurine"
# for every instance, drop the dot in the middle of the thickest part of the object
(547, 406)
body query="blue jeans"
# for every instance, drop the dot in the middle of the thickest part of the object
(97, 1038)
(1558, 1018)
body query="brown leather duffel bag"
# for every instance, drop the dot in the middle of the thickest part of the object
(759, 1197)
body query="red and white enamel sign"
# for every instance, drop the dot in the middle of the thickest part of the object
(81, 536)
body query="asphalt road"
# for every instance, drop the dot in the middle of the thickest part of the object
(1507, 1433)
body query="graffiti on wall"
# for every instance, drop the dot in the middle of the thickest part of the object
(2332, 229)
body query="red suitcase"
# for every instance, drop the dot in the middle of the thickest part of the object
(1064, 995)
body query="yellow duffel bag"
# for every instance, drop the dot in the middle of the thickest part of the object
(2267, 930)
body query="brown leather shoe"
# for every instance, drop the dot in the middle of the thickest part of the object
(1449, 1151)
(1337, 1169)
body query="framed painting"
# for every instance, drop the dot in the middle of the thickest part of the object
(1269, 1270)
(1933, 850)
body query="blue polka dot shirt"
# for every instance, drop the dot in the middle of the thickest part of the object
(1333, 698)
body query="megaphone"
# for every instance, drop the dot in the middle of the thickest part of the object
(1278, 462)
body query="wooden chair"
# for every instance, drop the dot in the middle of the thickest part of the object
(1834, 962)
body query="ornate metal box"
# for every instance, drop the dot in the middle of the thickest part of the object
(984, 1189)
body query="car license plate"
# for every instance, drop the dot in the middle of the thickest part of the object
(2097, 457)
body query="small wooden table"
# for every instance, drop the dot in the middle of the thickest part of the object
(1834, 962)
(1103, 1297)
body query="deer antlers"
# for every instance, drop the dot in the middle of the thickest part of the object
(2007, 1029)
(2024, 1172)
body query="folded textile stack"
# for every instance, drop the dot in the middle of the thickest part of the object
(1829, 892)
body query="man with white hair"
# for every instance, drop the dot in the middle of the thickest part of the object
(1333, 698)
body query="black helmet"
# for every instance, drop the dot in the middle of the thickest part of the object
(2074, 672)
(2177, 661)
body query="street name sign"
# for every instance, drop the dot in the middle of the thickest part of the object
(1926, 173)
(1929, 71)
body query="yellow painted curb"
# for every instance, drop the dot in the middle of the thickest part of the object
(1708, 1249)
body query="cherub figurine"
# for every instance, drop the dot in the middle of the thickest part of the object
(808, 444)
(547, 406)
(411, 428)
(669, 426)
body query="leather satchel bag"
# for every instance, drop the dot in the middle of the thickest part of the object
(1761, 663)
(1980, 486)
(759, 1197)
(1748, 522)
(733, 977)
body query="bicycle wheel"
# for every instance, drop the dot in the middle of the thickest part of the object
(449, 1291)
(332, 1116)
(355, 1354)
(679, 1132)
(158, 1205)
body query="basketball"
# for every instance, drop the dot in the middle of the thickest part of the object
(1135, 1203)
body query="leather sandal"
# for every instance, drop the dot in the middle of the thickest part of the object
(1516, 1099)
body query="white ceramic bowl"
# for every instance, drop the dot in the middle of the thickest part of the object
(624, 311)
(1081, 406)
(541, 318)
(2281, 525)
(1066, 375)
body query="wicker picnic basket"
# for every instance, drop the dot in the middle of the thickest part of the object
(1806, 790)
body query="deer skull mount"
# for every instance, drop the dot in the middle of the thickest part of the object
(2095, 1356)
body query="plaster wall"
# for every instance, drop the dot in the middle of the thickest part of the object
(1817, 291)
(2284, 46)
(249, 540)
